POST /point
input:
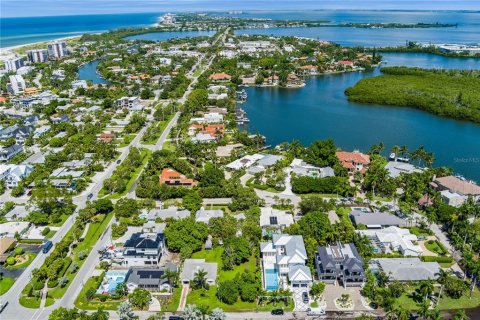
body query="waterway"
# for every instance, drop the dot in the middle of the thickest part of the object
(88, 71)
(321, 110)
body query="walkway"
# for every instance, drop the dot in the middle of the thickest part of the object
(183, 297)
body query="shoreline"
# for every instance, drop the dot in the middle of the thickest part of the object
(6, 52)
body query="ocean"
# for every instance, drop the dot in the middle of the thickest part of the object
(17, 31)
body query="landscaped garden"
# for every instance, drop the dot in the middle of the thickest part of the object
(6, 284)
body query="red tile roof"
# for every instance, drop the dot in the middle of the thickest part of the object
(173, 178)
(220, 76)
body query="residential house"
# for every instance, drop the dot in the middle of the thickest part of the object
(274, 219)
(244, 162)
(204, 215)
(12, 174)
(128, 102)
(170, 177)
(284, 263)
(455, 191)
(6, 244)
(393, 239)
(395, 168)
(11, 229)
(268, 160)
(376, 220)
(163, 214)
(7, 153)
(302, 169)
(192, 266)
(144, 249)
(151, 279)
(107, 137)
(220, 77)
(354, 161)
(405, 269)
(340, 262)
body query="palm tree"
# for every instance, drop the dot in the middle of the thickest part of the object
(461, 315)
(171, 276)
(424, 312)
(191, 312)
(402, 313)
(426, 288)
(435, 315)
(395, 150)
(403, 150)
(124, 311)
(99, 315)
(217, 314)
(203, 310)
(200, 278)
(442, 277)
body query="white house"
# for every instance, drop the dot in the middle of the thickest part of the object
(393, 239)
(12, 174)
(17, 84)
(244, 162)
(274, 218)
(301, 168)
(9, 229)
(144, 249)
(203, 215)
(283, 261)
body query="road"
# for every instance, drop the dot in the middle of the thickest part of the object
(14, 310)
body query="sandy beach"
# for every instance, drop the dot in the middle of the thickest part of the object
(8, 52)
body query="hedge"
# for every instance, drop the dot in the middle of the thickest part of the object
(52, 283)
(66, 263)
(436, 259)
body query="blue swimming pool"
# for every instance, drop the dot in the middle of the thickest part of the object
(110, 281)
(271, 279)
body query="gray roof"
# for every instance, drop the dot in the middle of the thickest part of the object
(406, 269)
(171, 212)
(346, 254)
(375, 219)
(192, 266)
(269, 160)
(205, 215)
(294, 245)
(149, 276)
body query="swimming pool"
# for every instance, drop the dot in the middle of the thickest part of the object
(271, 279)
(111, 280)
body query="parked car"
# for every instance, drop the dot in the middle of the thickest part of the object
(47, 246)
(118, 161)
(305, 297)
(176, 318)
(277, 312)
(90, 196)
(315, 312)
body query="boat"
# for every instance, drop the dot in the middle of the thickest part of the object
(393, 157)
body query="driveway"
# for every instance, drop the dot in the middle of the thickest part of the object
(298, 300)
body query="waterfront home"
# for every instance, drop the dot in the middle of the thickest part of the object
(308, 70)
(203, 215)
(405, 269)
(284, 263)
(244, 162)
(271, 81)
(77, 84)
(170, 177)
(395, 168)
(340, 262)
(274, 219)
(204, 138)
(354, 161)
(375, 220)
(302, 169)
(220, 77)
(264, 163)
(209, 117)
(345, 64)
(192, 266)
(455, 191)
(171, 212)
(7, 153)
(393, 239)
(144, 249)
(12, 174)
(151, 279)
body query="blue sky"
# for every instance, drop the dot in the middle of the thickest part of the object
(15, 8)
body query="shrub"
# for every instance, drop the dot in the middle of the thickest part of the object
(437, 259)
(10, 261)
(82, 254)
(45, 231)
(38, 284)
(228, 292)
(18, 251)
(66, 263)
(52, 283)
(63, 281)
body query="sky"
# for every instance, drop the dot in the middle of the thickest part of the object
(26, 8)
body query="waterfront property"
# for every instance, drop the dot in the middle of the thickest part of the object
(393, 239)
(340, 262)
(354, 161)
(375, 220)
(283, 263)
(405, 269)
(301, 168)
(455, 191)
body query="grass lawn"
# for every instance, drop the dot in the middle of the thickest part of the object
(50, 234)
(407, 301)
(82, 303)
(210, 299)
(63, 217)
(30, 255)
(93, 234)
(172, 306)
(145, 154)
(198, 71)
(32, 303)
(168, 145)
(129, 139)
(434, 246)
(420, 232)
(6, 284)
(49, 301)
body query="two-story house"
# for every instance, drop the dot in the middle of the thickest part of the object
(283, 261)
(144, 249)
(340, 262)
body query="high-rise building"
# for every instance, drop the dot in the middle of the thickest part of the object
(17, 84)
(38, 55)
(57, 50)
(13, 64)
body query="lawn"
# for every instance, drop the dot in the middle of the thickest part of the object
(30, 255)
(63, 218)
(407, 301)
(172, 306)
(209, 298)
(168, 145)
(82, 303)
(420, 232)
(6, 284)
(436, 247)
(30, 302)
(50, 234)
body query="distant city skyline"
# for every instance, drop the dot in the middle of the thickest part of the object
(28, 8)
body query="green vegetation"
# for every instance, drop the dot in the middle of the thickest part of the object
(436, 247)
(449, 93)
(5, 284)
(22, 260)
